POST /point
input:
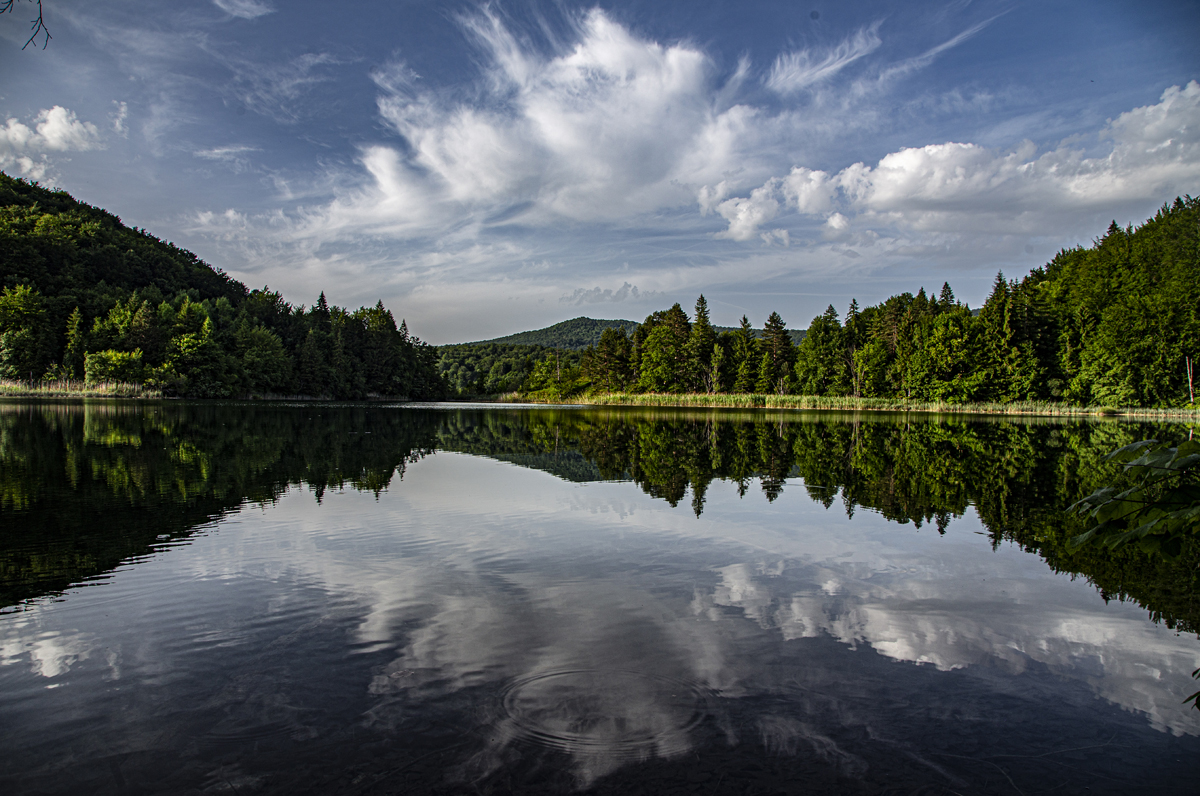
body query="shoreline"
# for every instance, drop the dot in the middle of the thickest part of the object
(845, 404)
(78, 389)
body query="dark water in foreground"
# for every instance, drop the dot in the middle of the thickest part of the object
(327, 599)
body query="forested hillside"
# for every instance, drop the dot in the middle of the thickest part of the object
(1114, 324)
(575, 334)
(85, 297)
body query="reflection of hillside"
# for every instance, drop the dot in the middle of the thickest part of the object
(567, 465)
(84, 486)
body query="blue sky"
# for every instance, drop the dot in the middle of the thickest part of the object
(491, 168)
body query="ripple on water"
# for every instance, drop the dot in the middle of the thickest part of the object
(604, 711)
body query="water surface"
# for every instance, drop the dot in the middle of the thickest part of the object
(386, 599)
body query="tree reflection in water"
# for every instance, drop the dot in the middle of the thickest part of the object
(85, 486)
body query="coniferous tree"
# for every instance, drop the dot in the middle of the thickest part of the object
(664, 365)
(768, 375)
(853, 335)
(745, 357)
(608, 364)
(820, 357)
(777, 343)
(701, 340)
(716, 373)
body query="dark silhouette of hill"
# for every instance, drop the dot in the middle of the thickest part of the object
(575, 334)
(579, 333)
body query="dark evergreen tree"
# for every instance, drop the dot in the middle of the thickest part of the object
(701, 340)
(777, 344)
(821, 357)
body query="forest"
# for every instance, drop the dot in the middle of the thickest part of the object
(87, 298)
(1115, 324)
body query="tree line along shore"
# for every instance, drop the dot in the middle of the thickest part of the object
(90, 306)
(1116, 324)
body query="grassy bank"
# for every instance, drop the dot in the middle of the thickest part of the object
(72, 388)
(751, 401)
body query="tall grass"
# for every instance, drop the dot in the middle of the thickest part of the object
(74, 388)
(845, 403)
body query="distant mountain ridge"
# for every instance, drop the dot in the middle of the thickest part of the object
(575, 334)
(579, 333)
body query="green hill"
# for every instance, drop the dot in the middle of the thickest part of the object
(579, 333)
(82, 296)
(575, 334)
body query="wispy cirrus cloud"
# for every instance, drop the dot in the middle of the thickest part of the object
(801, 69)
(235, 157)
(245, 9)
(923, 60)
(276, 89)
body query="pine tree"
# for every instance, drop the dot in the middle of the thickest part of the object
(700, 348)
(821, 365)
(716, 373)
(745, 357)
(778, 345)
(768, 376)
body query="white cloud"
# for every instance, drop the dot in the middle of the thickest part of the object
(235, 157)
(118, 118)
(24, 149)
(909, 65)
(245, 9)
(745, 216)
(600, 130)
(955, 188)
(808, 191)
(603, 129)
(59, 131)
(803, 68)
(225, 152)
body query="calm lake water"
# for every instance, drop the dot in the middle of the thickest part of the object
(238, 598)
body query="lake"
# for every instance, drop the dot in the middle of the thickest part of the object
(321, 598)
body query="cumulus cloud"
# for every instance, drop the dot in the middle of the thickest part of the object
(746, 215)
(245, 9)
(801, 69)
(964, 187)
(808, 191)
(24, 149)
